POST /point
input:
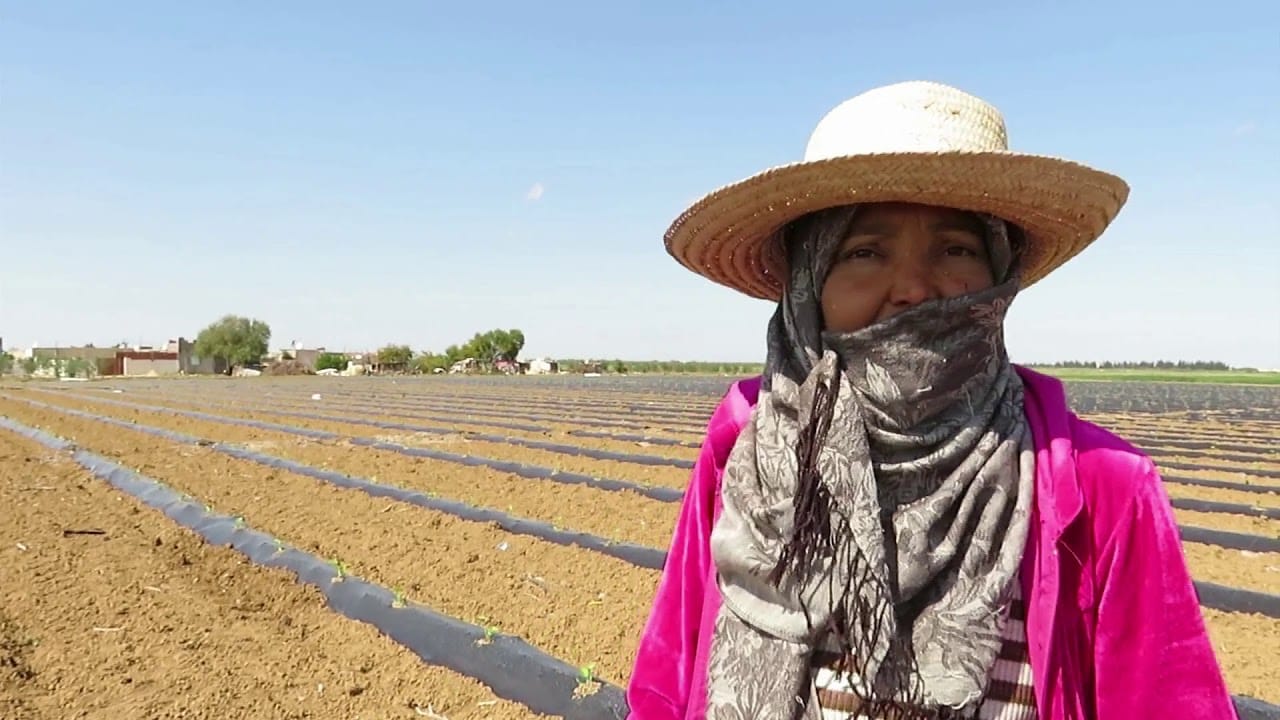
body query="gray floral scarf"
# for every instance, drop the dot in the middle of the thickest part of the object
(876, 504)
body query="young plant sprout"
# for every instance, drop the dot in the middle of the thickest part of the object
(587, 683)
(490, 630)
(342, 569)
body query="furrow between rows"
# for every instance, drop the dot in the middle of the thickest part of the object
(645, 474)
(631, 517)
(1233, 461)
(548, 594)
(147, 620)
(669, 494)
(571, 458)
(351, 528)
(1258, 549)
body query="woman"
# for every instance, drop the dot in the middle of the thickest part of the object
(894, 521)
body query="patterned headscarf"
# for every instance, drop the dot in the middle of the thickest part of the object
(877, 503)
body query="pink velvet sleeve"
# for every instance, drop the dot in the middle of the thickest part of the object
(1152, 652)
(663, 677)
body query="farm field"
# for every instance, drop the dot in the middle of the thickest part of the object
(525, 517)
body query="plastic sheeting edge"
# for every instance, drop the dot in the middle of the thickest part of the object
(537, 472)
(1212, 506)
(638, 555)
(418, 633)
(512, 668)
(1229, 540)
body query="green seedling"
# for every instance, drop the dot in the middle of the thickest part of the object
(342, 569)
(239, 522)
(399, 601)
(279, 545)
(587, 683)
(490, 631)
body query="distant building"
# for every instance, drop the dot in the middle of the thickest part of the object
(137, 363)
(177, 357)
(359, 363)
(308, 357)
(465, 365)
(191, 364)
(543, 366)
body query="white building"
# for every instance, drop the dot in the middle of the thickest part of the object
(543, 366)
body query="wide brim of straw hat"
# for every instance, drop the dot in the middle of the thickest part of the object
(732, 235)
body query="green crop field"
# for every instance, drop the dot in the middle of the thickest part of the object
(1228, 377)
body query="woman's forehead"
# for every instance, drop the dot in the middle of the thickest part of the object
(885, 217)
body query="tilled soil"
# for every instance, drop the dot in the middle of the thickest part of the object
(620, 515)
(1228, 469)
(1251, 525)
(642, 520)
(450, 420)
(550, 595)
(1179, 428)
(1234, 568)
(1246, 649)
(457, 442)
(147, 621)
(1238, 497)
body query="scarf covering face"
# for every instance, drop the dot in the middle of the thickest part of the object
(877, 503)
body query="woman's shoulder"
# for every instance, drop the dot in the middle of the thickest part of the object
(732, 413)
(734, 408)
(1109, 466)
(1099, 447)
(1084, 462)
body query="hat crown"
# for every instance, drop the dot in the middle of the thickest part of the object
(910, 117)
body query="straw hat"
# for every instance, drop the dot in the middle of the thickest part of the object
(916, 142)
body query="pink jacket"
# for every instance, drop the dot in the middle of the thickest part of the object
(1113, 623)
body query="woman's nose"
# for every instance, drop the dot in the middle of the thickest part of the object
(913, 283)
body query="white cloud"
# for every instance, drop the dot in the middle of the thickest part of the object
(1246, 129)
(535, 192)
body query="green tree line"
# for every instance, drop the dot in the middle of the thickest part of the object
(1140, 365)
(664, 367)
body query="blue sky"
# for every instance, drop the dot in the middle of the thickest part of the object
(415, 172)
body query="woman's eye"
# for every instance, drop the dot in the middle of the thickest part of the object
(862, 253)
(961, 251)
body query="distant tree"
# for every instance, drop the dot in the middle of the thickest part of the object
(619, 367)
(395, 356)
(30, 365)
(429, 362)
(506, 344)
(77, 367)
(494, 345)
(239, 341)
(487, 348)
(332, 361)
(6, 363)
(480, 347)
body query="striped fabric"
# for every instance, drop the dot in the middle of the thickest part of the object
(1009, 696)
